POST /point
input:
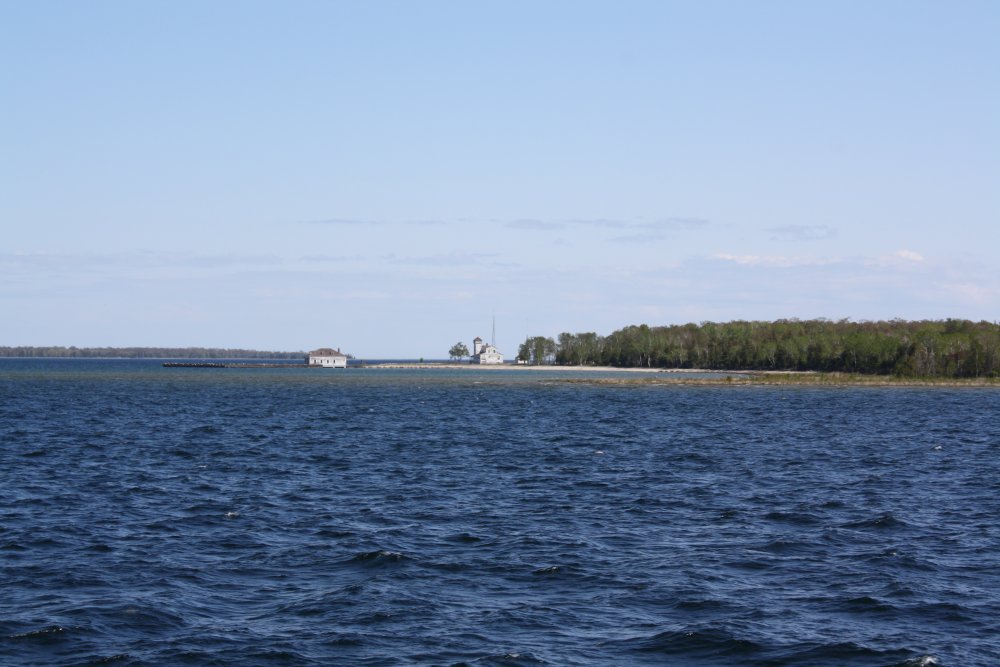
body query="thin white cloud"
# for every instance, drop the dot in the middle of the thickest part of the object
(774, 261)
(428, 222)
(140, 259)
(540, 225)
(363, 295)
(598, 222)
(658, 230)
(449, 259)
(968, 293)
(909, 255)
(220, 261)
(801, 233)
(675, 224)
(332, 258)
(343, 222)
(901, 259)
(638, 238)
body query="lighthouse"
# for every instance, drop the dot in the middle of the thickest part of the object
(483, 353)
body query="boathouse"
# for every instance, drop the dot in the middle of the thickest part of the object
(327, 358)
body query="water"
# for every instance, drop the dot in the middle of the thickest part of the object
(153, 516)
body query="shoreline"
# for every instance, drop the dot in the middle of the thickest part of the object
(404, 365)
(728, 378)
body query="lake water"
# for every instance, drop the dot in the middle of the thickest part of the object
(160, 516)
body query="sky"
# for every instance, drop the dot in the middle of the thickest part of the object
(390, 177)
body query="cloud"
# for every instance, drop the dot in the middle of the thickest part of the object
(801, 232)
(332, 258)
(638, 238)
(139, 259)
(909, 255)
(658, 230)
(427, 222)
(376, 222)
(901, 259)
(675, 224)
(540, 225)
(219, 261)
(774, 261)
(971, 293)
(654, 230)
(598, 222)
(449, 259)
(343, 222)
(363, 295)
(664, 224)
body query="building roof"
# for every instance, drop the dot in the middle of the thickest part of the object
(326, 352)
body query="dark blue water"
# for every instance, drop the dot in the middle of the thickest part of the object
(375, 517)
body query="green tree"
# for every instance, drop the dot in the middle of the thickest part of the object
(537, 350)
(458, 351)
(955, 348)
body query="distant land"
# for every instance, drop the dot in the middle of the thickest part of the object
(145, 353)
(952, 348)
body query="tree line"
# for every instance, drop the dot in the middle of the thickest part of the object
(925, 348)
(146, 352)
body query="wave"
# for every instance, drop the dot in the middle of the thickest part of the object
(334, 533)
(886, 521)
(701, 643)
(722, 646)
(381, 557)
(780, 546)
(842, 653)
(702, 604)
(795, 518)
(464, 538)
(49, 635)
(205, 428)
(919, 661)
(107, 660)
(867, 605)
(513, 659)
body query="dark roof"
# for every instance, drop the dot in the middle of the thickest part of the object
(326, 352)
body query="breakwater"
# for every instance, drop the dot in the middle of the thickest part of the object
(228, 364)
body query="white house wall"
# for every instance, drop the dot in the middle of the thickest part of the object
(328, 362)
(490, 358)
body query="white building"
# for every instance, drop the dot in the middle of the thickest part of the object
(327, 358)
(483, 353)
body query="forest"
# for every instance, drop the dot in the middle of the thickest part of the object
(146, 353)
(925, 348)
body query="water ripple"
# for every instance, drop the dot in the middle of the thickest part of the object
(152, 517)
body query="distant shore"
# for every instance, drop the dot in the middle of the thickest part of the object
(520, 367)
(790, 379)
(696, 376)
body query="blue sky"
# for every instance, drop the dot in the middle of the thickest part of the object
(384, 177)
